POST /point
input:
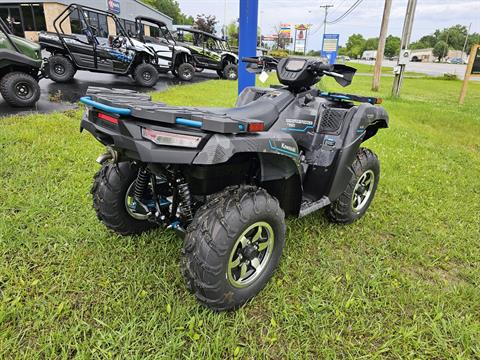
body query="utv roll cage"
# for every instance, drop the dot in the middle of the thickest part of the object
(162, 27)
(201, 37)
(87, 29)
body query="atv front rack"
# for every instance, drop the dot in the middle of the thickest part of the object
(129, 103)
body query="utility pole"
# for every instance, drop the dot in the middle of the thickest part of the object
(406, 35)
(325, 18)
(466, 40)
(381, 46)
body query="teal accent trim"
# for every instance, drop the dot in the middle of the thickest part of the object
(188, 122)
(286, 152)
(87, 100)
(298, 130)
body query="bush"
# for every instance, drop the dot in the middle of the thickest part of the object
(279, 53)
(448, 76)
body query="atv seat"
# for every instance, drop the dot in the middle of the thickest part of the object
(264, 111)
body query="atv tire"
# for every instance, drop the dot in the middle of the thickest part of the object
(61, 69)
(145, 75)
(109, 190)
(19, 89)
(220, 73)
(230, 72)
(223, 264)
(357, 197)
(185, 72)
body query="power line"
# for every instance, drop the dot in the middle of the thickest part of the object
(346, 13)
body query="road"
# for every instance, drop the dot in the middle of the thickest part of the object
(62, 97)
(432, 69)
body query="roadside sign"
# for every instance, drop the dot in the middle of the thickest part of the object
(476, 62)
(473, 70)
(330, 47)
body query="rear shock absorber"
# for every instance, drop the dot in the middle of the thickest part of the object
(141, 183)
(185, 206)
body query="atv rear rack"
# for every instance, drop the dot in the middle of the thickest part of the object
(129, 103)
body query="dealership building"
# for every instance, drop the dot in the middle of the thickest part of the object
(27, 19)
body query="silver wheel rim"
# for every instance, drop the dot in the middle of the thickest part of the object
(250, 254)
(363, 190)
(232, 74)
(130, 204)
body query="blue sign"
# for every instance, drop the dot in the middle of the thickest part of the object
(114, 6)
(330, 47)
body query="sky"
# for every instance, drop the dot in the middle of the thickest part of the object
(365, 19)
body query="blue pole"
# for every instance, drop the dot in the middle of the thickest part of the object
(247, 41)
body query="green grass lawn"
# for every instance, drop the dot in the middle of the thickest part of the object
(403, 282)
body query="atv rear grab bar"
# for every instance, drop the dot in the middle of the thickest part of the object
(87, 100)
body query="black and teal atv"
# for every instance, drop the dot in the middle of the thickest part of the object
(208, 52)
(20, 69)
(226, 178)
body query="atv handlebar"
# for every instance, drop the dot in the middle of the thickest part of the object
(251, 60)
(319, 66)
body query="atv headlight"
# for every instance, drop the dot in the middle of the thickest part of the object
(171, 139)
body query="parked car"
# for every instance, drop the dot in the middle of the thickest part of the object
(20, 69)
(119, 54)
(456, 61)
(209, 52)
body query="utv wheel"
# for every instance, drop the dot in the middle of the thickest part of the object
(145, 75)
(112, 199)
(61, 69)
(230, 72)
(233, 246)
(19, 89)
(357, 197)
(186, 71)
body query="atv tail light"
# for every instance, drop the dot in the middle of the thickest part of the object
(379, 101)
(108, 118)
(256, 126)
(171, 139)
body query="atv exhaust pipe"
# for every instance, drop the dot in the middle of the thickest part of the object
(109, 155)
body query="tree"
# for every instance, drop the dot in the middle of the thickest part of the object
(232, 33)
(440, 49)
(371, 44)
(355, 45)
(392, 46)
(172, 9)
(206, 23)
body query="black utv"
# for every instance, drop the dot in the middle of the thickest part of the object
(20, 69)
(209, 52)
(93, 50)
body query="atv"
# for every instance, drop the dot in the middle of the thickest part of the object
(226, 178)
(208, 52)
(119, 54)
(170, 56)
(20, 69)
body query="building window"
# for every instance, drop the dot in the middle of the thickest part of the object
(33, 17)
(129, 27)
(98, 21)
(39, 17)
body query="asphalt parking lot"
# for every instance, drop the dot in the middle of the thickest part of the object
(62, 97)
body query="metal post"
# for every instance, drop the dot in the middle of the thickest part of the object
(325, 18)
(406, 35)
(381, 46)
(247, 41)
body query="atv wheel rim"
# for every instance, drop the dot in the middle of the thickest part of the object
(59, 69)
(23, 90)
(232, 75)
(131, 205)
(250, 254)
(147, 76)
(363, 190)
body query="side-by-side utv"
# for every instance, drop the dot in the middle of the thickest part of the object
(20, 69)
(88, 50)
(209, 52)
